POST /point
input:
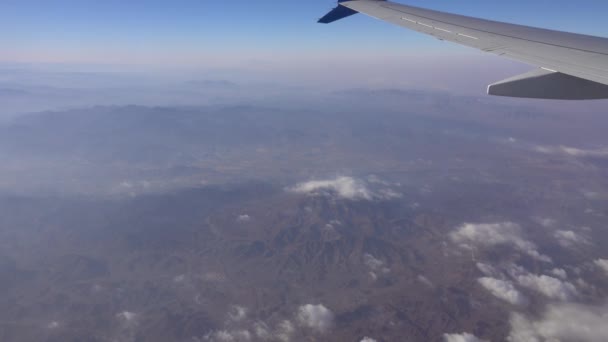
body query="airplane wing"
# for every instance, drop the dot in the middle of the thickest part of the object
(571, 66)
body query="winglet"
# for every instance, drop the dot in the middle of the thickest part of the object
(337, 13)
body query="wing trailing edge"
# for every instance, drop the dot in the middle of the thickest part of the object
(549, 84)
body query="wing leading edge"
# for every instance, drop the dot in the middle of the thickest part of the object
(571, 66)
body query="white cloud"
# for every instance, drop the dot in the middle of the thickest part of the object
(546, 222)
(471, 235)
(262, 331)
(577, 152)
(551, 287)
(515, 270)
(425, 281)
(603, 264)
(504, 290)
(285, 331)
(344, 187)
(464, 337)
(560, 273)
(237, 313)
(376, 266)
(572, 151)
(562, 322)
(569, 238)
(368, 339)
(371, 262)
(243, 218)
(388, 194)
(127, 316)
(229, 336)
(316, 317)
(375, 179)
(53, 325)
(486, 269)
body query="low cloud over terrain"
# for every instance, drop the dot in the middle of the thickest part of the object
(316, 317)
(551, 287)
(602, 264)
(562, 322)
(464, 337)
(504, 290)
(479, 235)
(346, 188)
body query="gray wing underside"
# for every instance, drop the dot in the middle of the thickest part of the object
(573, 66)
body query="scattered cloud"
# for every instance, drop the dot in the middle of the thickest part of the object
(127, 316)
(471, 235)
(562, 322)
(229, 336)
(424, 280)
(546, 222)
(237, 313)
(487, 270)
(572, 151)
(368, 339)
(504, 290)
(464, 337)
(285, 331)
(345, 187)
(376, 266)
(560, 273)
(603, 264)
(569, 238)
(53, 325)
(243, 218)
(262, 331)
(550, 287)
(309, 319)
(316, 317)
(248, 331)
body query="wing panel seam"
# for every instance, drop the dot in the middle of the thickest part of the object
(494, 33)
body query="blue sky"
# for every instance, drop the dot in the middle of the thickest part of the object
(187, 31)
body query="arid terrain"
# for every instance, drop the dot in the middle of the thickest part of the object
(456, 218)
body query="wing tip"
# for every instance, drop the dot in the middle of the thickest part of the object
(336, 14)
